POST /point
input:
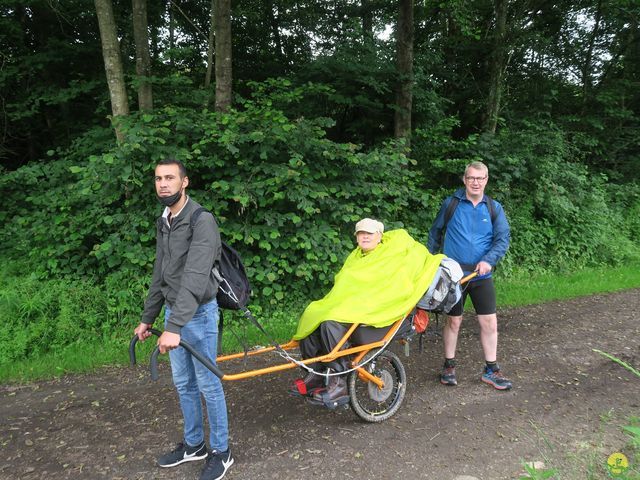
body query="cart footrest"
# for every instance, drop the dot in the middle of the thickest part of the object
(339, 402)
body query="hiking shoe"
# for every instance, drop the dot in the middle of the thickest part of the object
(334, 395)
(496, 379)
(307, 386)
(448, 376)
(182, 453)
(217, 465)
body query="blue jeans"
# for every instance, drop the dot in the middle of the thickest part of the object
(192, 379)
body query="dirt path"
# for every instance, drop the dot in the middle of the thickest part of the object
(567, 407)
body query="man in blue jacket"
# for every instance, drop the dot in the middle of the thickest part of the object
(476, 235)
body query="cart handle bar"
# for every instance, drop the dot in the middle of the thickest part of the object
(154, 356)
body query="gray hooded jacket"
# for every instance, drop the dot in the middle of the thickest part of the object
(182, 273)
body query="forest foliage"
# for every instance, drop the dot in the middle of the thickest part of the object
(307, 147)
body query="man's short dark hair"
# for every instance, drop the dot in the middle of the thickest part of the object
(174, 161)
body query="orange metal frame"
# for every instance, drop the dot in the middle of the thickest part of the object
(360, 351)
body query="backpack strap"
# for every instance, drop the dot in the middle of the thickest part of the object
(492, 210)
(192, 223)
(194, 218)
(451, 208)
(195, 215)
(453, 204)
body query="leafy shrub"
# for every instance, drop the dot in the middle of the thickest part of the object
(285, 196)
(562, 215)
(82, 223)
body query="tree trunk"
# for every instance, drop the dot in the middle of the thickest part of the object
(210, 45)
(269, 12)
(366, 14)
(112, 60)
(154, 30)
(451, 30)
(143, 57)
(497, 67)
(404, 62)
(587, 79)
(172, 28)
(223, 54)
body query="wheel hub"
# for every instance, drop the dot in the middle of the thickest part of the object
(381, 394)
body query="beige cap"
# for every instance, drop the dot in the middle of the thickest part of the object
(369, 225)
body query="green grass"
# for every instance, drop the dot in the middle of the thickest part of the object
(532, 289)
(78, 357)
(91, 352)
(280, 325)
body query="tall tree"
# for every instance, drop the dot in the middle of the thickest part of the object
(172, 32)
(270, 14)
(404, 61)
(143, 58)
(210, 44)
(587, 65)
(366, 13)
(497, 65)
(112, 60)
(223, 54)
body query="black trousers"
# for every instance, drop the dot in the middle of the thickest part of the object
(324, 339)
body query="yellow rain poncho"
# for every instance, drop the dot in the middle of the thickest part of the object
(377, 288)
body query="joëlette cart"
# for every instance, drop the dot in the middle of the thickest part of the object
(376, 380)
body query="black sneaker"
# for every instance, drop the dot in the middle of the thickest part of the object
(448, 376)
(217, 465)
(182, 453)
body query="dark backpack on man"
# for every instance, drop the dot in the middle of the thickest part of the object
(234, 290)
(453, 204)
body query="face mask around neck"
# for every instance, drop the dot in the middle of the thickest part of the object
(170, 200)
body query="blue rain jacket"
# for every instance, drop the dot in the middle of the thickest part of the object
(470, 236)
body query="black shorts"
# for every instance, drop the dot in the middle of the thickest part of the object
(483, 297)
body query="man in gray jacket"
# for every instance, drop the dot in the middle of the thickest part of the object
(183, 282)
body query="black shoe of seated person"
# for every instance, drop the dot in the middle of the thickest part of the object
(335, 394)
(307, 385)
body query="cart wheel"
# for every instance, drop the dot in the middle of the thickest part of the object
(374, 404)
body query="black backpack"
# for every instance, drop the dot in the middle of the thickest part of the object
(234, 290)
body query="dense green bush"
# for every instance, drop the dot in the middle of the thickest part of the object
(283, 194)
(563, 216)
(286, 197)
